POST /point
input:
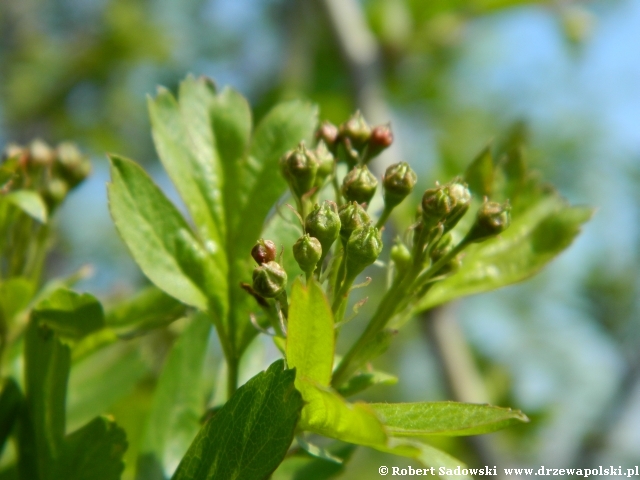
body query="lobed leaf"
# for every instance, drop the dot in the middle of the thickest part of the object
(250, 435)
(444, 418)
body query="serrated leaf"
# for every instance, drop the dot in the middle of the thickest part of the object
(148, 309)
(310, 334)
(29, 202)
(327, 413)
(93, 452)
(250, 435)
(444, 418)
(71, 315)
(537, 236)
(160, 240)
(174, 418)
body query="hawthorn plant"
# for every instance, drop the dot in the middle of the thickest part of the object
(281, 226)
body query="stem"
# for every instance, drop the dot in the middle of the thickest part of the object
(340, 301)
(228, 349)
(384, 217)
(232, 376)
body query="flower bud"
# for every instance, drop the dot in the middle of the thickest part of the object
(41, 153)
(352, 216)
(71, 165)
(363, 248)
(264, 251)
(54, 192)
(492, 219)
(445, 203)
(326, 162)
(380, 139)
(444, 246)
(398, 182)
(299, 167)
(328, 133)
(401, 256)
(323, 223)
(356, 130)
(359, 185)
(307, 251)
(269, 279)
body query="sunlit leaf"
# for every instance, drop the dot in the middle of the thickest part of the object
(365, 380)
(250, 435)
(444, 418)
(29, 202)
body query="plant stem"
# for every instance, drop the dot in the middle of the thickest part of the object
(384, 217)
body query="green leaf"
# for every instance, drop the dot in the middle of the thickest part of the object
(362, 381)
(327, 413)
(444, 418)
(250, 435)
(310, 334)
(93, 452)
(70, 314)
(148, 309)
(178, 402)
(29, 202)
(534, 238)
(479, 174)
(444, 465)
(306, 467)
(15, 295)
(160, 240)
(10, 404)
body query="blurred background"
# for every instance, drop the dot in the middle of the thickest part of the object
(450, 75)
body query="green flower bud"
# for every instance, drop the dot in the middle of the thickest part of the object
(444, 246)
(269, 279)
(328, 133)
(445, 203)
(363, 248)
(307, 251)
(359, 185)
(71, 165)
(326, 162)
(323, 223)
(398, 182)
(380, 139)
(54, 192)
(264, 251)
(41, 153)
(352, 216)
(401, 256)
(299, 168)
(356, 131)
(492, 219)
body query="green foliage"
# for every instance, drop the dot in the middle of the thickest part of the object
(70, 314)
(249, 436)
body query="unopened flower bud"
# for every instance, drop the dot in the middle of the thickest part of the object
(444, 246)
(445, 203)
(71, 164)
(359, 185)
(328, 133)
(41, 153)
(398, 182)
(269, 279)
(401, 256)
(323, 223)
(307, 251)
(54, 193)
(264, 251)
(492, 219)
(352, 216)
(326, 162)
(356, 130)
(380, 139)
(299, 167)
(363, 248)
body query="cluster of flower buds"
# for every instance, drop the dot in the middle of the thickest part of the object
(269, 278)
(305, 169)
(52, 172)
